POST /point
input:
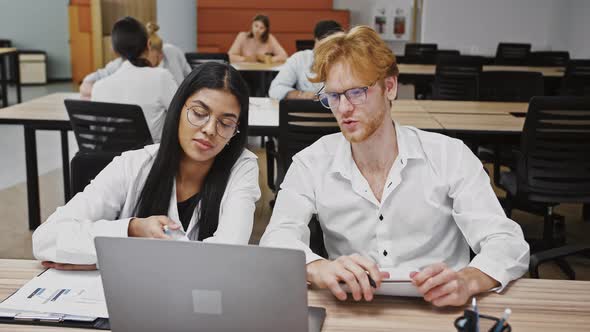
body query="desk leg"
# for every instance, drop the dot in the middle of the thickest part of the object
(16, 71)
(65, 161)
(32, 178)
(3, 80)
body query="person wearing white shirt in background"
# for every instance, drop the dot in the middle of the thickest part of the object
(200, 181)
(136, 82)
(391, 196)
(292, 81)
(160, 54)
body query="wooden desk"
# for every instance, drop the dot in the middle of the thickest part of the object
(499, 123)
(471, 107)
(256, 66)
(429, 70)
(537, 306)
(12, 54)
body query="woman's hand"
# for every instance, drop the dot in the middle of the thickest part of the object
(151, 227)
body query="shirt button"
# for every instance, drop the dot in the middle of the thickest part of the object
(384, 252)
(381, 217)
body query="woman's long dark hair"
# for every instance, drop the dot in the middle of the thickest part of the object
(129, 38)
(264, 19)
(155, 195)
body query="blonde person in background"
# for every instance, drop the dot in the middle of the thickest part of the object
(391, 196)
(160, 54)
(254, 45)
(136, 81)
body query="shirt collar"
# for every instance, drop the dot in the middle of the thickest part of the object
(408, 143)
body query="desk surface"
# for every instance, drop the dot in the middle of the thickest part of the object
(537, 306)
(257, 66)
(4, 50)
(424, 114)
(417, 69)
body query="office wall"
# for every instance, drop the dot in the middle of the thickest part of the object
(178, 23)
(579, 29)
(39, 25)
(476, 26)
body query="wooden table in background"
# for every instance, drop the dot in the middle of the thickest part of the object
(537, 306)
(421, 69)
(12, 54)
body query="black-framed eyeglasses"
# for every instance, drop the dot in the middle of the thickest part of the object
(199, 116)
(355, 96)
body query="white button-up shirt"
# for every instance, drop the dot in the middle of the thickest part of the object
(150, 88)
(108, 203)
(294, 76)
(436, 204)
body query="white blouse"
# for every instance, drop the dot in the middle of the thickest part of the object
(107, 204)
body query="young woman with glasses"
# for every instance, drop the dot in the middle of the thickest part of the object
(199, 183)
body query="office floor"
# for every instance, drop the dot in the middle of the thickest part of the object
(15, 238)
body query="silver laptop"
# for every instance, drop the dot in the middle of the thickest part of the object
(158, 285)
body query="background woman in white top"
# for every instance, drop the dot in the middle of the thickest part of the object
(200, 181)
(160, 54)
(136, 82)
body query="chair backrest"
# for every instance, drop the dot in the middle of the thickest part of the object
(107, 127)
(517, 86)
(85, 166)
(555, 148)
(304, 44)
(194, 58)
(456, 77)
(549, 58)
(576, 81)
(420, 53)
(301, 123)
(512, 54)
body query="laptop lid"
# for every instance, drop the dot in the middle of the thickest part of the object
(159, 285)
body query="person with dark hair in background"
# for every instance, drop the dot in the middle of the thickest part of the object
(256, 44)
(160, 54)
(199, 183)
(136, 81)
(292, 81)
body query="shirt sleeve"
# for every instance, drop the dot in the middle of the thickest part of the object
(501, 251)
(236, 213)
(294, 207)
(105, 72)
(168, 88)
(68, 235)
(285, 81)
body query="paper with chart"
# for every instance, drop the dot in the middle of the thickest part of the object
(74, 293)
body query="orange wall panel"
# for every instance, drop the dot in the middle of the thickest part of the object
(266, 4)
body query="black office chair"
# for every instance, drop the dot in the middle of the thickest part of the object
(85, 166)
(107, 127)
(304, 44)
(552, 166)
(576, 81)
(301, 123)
(512, 54)
(456, 77)
(506, 86)
(549, 58)
(510, 86)
(418, 53)
(194, 58)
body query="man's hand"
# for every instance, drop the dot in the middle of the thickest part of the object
(443, 286)
(151, 227)
(351, 270)
(68, 267)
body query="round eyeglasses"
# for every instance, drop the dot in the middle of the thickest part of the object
(199, 116)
